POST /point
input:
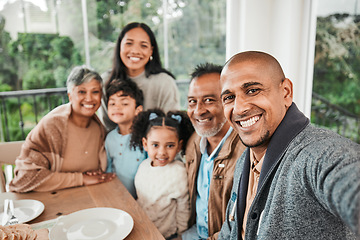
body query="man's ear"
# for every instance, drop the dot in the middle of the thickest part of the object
(138, 109)
(287, 88)
(144, 143)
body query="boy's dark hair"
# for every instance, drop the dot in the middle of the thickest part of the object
(145, 120)
(128, 88)
(205, 68)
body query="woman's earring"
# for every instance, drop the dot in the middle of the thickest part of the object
(151, 58)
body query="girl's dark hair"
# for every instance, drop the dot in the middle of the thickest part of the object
(152, 67)
(145, 120)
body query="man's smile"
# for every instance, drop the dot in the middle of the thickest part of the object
(246, 123)
(249, 122)
(203, 120)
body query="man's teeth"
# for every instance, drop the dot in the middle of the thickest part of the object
(204, 120)
(249, 122)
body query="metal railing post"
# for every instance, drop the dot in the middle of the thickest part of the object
(21, 122)
(7, 136)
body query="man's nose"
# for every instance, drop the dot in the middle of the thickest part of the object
(241, 106)
(200, 108)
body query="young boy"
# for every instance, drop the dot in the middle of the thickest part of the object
(125, 101)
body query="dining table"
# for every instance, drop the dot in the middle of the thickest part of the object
(112, 194)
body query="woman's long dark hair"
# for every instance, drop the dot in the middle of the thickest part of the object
(152, 67)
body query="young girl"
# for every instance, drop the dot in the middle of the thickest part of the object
(161, 181)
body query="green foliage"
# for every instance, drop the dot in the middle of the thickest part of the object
(44, 58)
(5, 87)
(43, 105)
(337, 75)
(104, 11)
(60, 76)
(326, 115)
(39, 61)
(7, 78)
(337, 61)
(33, 47)
(35, 79)
(13, 120)
(7, 63)
(61, 50)
(192, 33)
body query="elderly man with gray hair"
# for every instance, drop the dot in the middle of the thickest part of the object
(211, 154)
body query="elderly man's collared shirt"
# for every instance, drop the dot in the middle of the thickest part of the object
(203, 184)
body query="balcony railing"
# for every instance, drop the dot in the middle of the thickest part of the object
(13, 106)
(34, 104)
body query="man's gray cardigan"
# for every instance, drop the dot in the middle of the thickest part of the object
(309, 186)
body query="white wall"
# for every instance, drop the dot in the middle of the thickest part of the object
(283, 28)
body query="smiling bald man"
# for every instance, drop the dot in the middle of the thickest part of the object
(294, 181)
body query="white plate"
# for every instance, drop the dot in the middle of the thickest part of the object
(93, 224)
(25, 210)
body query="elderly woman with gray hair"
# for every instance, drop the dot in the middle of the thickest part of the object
(66, 148)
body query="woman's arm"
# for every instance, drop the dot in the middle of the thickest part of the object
(40, 154)
(60, 180)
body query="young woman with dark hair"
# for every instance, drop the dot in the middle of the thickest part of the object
(137, 57)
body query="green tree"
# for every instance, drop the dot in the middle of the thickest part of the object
(42, 55)
(337, 60)
(8, 65)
